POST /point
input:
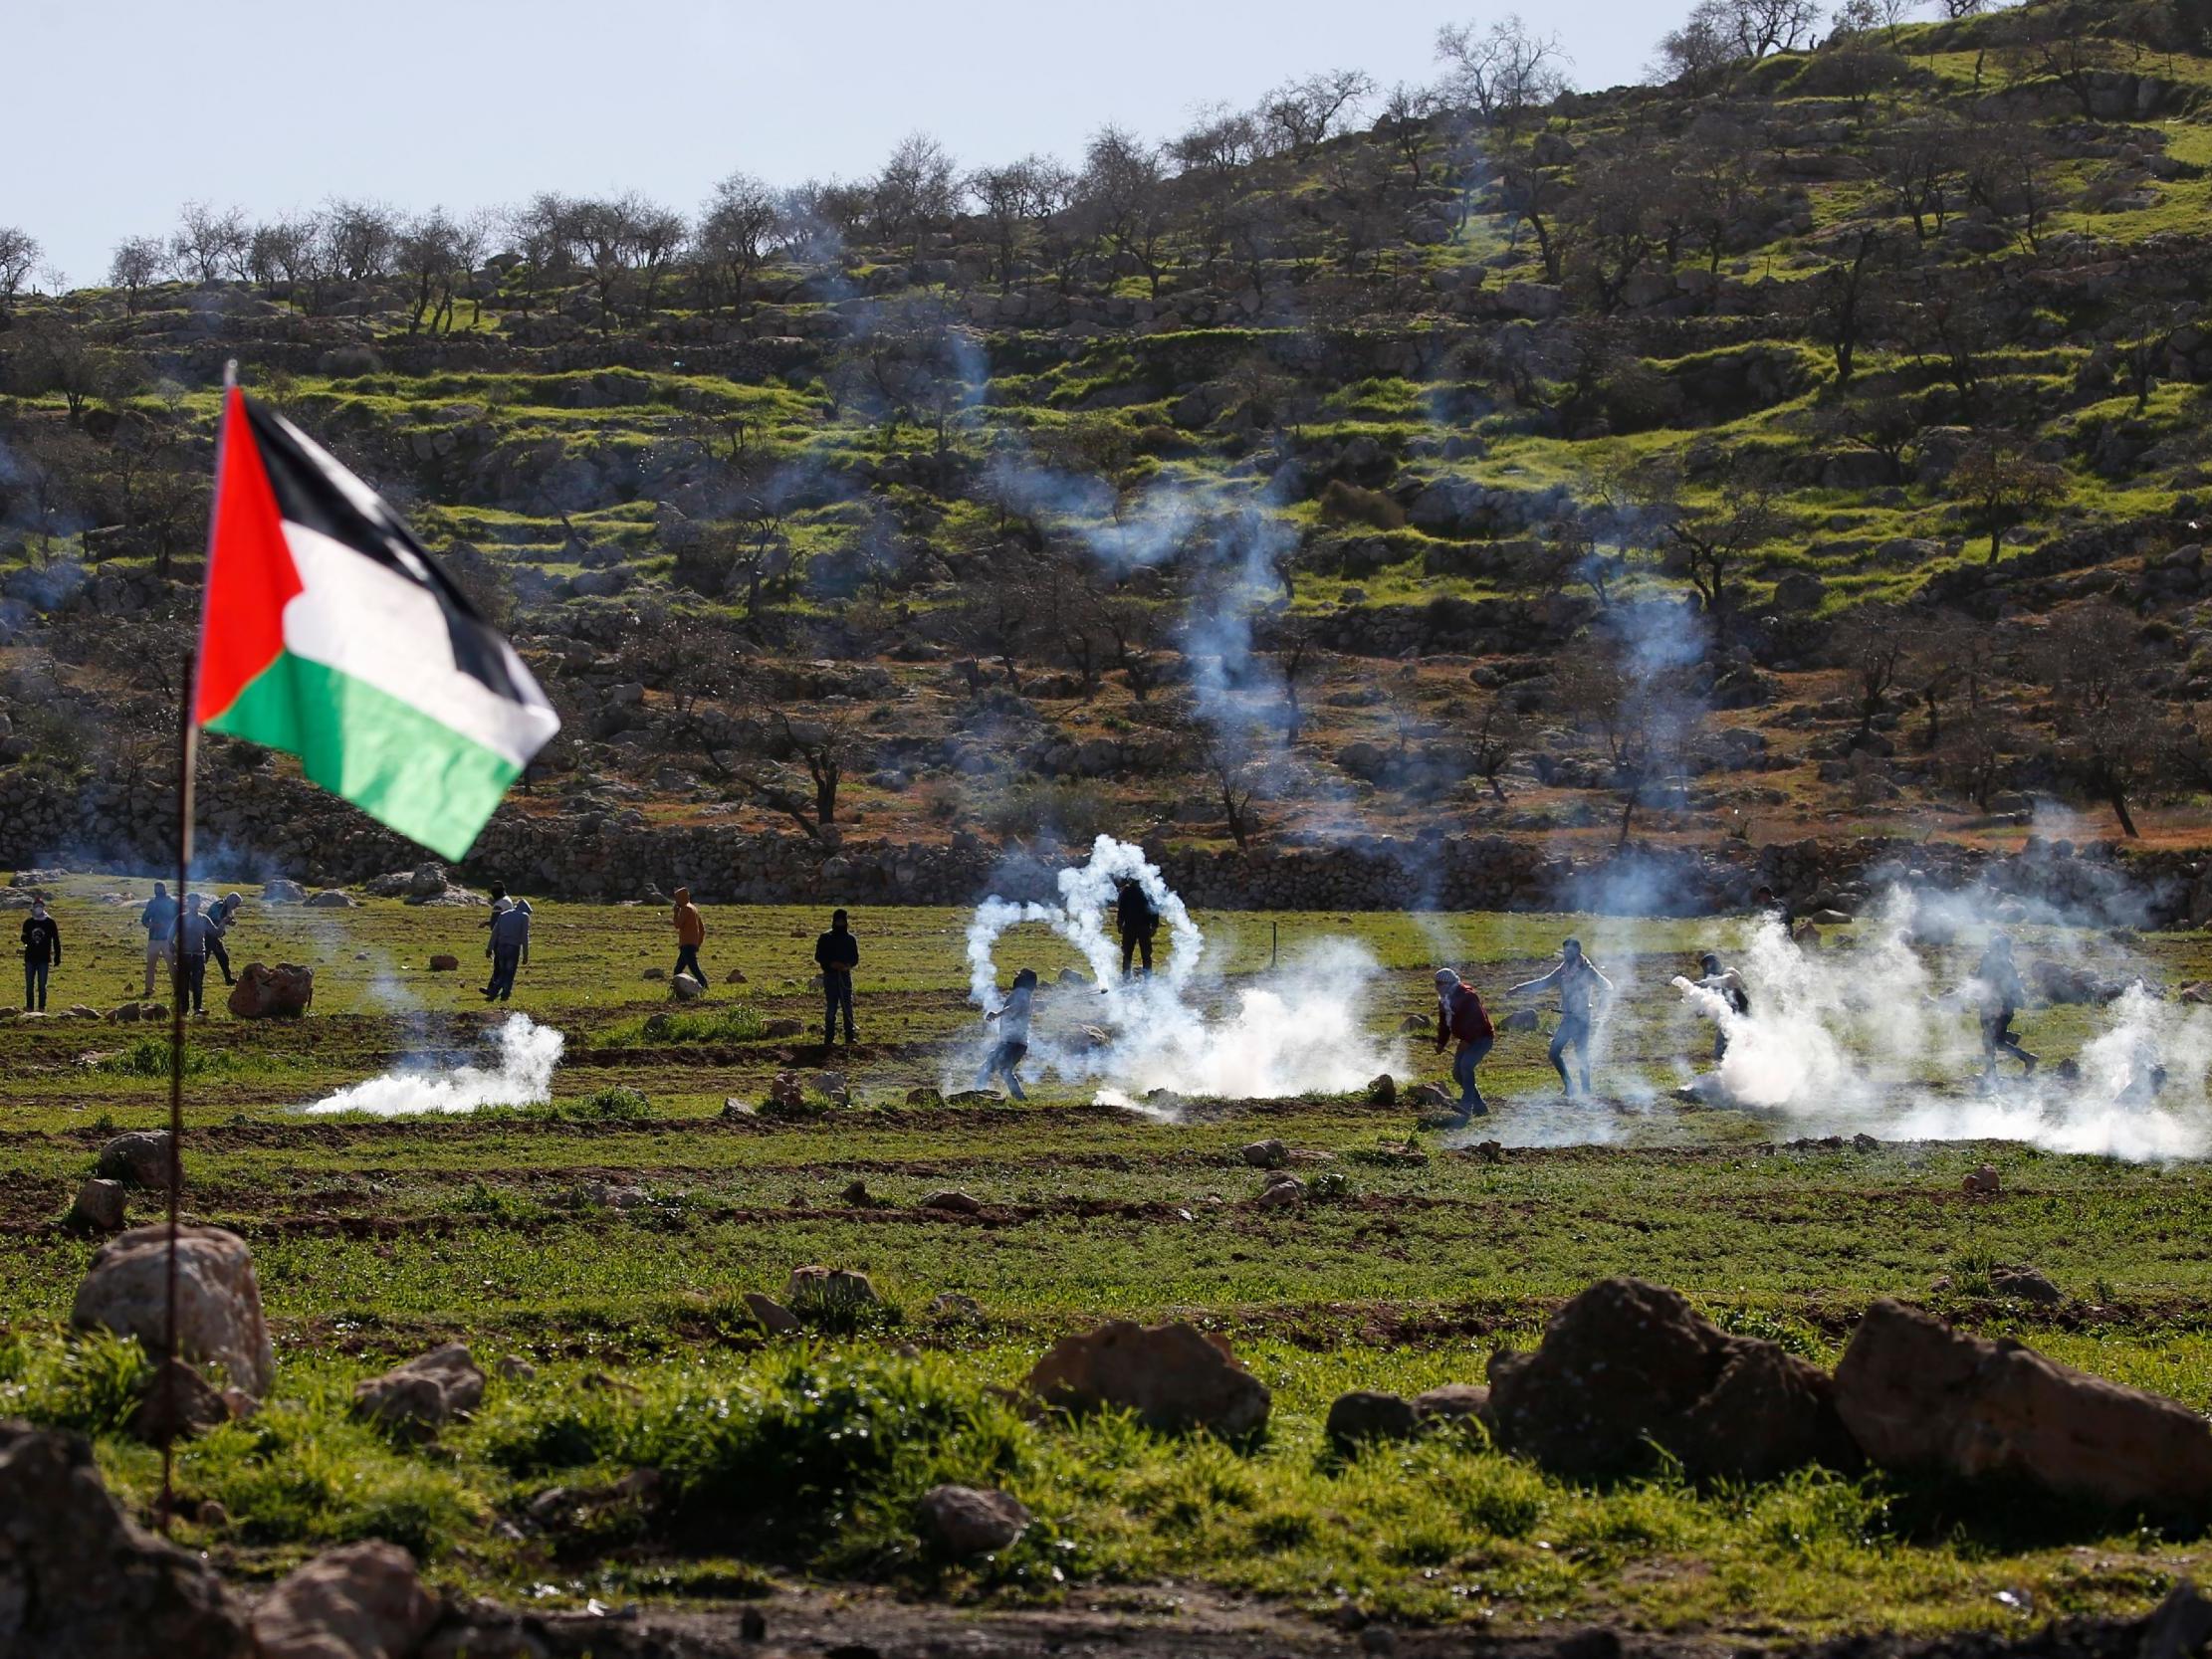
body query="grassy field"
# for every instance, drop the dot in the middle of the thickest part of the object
(376, 1237)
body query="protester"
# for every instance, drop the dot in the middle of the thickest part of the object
(1014, 1034)
(509, 946)
(837, 953)
(193, 933)
(158, 918)
(1579, 983)
(1460, 1016)
(1727, 985)
(41, 950)
(1137, 921)
(1998, 990)
(220, 915)
(691, 934)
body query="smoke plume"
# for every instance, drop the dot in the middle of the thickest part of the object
(522, 1076)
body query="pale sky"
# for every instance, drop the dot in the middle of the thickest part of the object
(121, 109)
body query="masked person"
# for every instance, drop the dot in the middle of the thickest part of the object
(220, 915)
(1998, 990)
(1137, 922)
(158, 918)
(691, 934)
(193, 930)
(1014, 1034)
(42, 951)
(837, 953)
(1580, 983)
(1461, 1017)
(509, 946)
(1727, 985)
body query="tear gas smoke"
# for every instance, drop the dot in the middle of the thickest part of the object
(1303, 1030)
(527, 1055)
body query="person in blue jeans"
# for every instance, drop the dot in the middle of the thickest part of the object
(1462, 1018)
(42, 951)
(509, 946)
(1014, 1034)
(1580, 983)
(837, 953)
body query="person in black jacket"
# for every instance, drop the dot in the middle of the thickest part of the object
(42, 948)
(837, 953)
(1137, 921)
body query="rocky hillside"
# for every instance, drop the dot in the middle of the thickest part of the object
(1811, 445)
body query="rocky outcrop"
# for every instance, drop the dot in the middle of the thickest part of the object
(285, 992)
(420, 1398)
(360, 1601)
(219, 1318)
(1175, 1378)
(139, 1159)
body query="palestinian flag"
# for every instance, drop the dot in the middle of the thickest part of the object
(328, 631)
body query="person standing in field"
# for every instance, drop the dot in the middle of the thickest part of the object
(1579, 983)
(1137, 921)
(1461, 1017)
(1013, 1016)
(691, 934)
(42, 951)
(837, 953)
(509, 946)
(192, 933)
(220, 915)
(158, 918)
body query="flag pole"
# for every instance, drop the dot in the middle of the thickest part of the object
(187, 748)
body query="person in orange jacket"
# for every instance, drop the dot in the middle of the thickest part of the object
(691, 934)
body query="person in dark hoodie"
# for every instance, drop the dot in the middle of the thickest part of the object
(1137, 922)
(691, 934)
(41, 950)
(192, 933)
(1013, 1016)
(1461, 1017)
(1727, 985)
(837, 953)
(220, 915)
(509, 946)
(158, 918)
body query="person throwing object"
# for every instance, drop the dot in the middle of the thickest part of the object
(1579, 983)
(837, 953)
(1014, 1034)
(1727, 985)
(1461, 1017)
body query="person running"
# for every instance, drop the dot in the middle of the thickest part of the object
(1460, 1016)
(837, 953)
(1014, 1034)
(42, 951)
(1579, 983)
(1998, 990)
(193, 933)
(220, 915)
(691, 934)
(1137, 922)
(1727, 985)
(158, 918)
(509, 946)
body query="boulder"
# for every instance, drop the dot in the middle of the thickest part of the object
(2024, 1284)
(77, 1581)
(684, 988)
(138, 1158)
(282, 892)
(1265, 1154)
(331, 899)
(816, 1290)
(924, 1096)
(176, 1401)
(427, 880)
(1919, 1396)
(100, 1206)
(1384, 1090)
(1363, 1415)
(776, 1029)
(285, 992)
(1981, 1183)
(358, 1601)
(1799, 591)
(219, 1316)
(1627, 1364)
(423, 1395)
(775, 1319)
(955, 1200)
(1175, 1378)
(1282, 1191)
(1520, 1019)
(1454, 1402)
(443, 963)
(966, 1521)
(833, 1086)
(786, 1091)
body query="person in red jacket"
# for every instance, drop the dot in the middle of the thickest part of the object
(1461, 1017)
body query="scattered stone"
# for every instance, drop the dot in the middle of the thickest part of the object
(1282, 1191)
(1863, 1142)
(1627, 1364)
(776, 1029)
(786, 1092)
(924, 1096)
(423, 1395)
(1363, 1415)
(1383, 1091)
(100, 1206)
(732, 1107)
(1426, 1096)
(856, 1194)
(831, 1086)
(443, 963)
(1520, 1019)
(1415, 1023)
(775, 1319)
(954, 1307)
(617, 1195)
(974, 1096)
(2200, 992)
(1831, 919)
(815, 1290)
(966, 1521)
(138, 1158)
(1454, 1402)
(514, 1369)
(1265, 1154)
(331, 899)
(2024, 1284)
(736, 977)
(1073, 977)
(1487, 1151)
(684, 988)
(360, 1602)
(77, 1581)
(1442, 1119)
(1981, 1183)
(654, 976)
(184, 1405)
(955, 1200)
(219, 1316)
(1919, 1396)
(282, 892)
(1174, 1376)
(285, 992)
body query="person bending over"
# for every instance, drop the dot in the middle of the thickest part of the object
(1460, 1016)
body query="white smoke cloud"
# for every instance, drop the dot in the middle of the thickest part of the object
(528, 1053)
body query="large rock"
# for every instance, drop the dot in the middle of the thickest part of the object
(1919, 1396)
(361, 1601)
(175, 1402)
(218, 1305)
(100, 1206)
(79, 1581)
(815, 1290)
(1626, 1366)
(1173, 1377)
(965, 1520)
(285, 992)
(1363, 1415)
(427, 880)
(423, 1395)
(139, 1159)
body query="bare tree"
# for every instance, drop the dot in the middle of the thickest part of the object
(1299, 116)
(1504, 73)
(1017, 201)
(1121, 191)
(1873, 645)
(1643, 714)
(362, 238)
(20, 255)
(1229, 766)
(1918, 159)
(1498, 737)
(1706, 540)
(2110, 732)
(209, 244)
(1409, 113)
(56, 356)
(736, 230)
(135, 266)
(2002, 483)
(918, 187)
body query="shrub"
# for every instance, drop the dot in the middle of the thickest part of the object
(1345, 503)
(89, 1383)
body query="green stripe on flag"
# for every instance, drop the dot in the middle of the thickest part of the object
(387, 756)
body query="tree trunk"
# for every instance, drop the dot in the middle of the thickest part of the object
(2118, 797)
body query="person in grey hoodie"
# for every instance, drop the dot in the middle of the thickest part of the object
(509, 946)
(158, 918)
